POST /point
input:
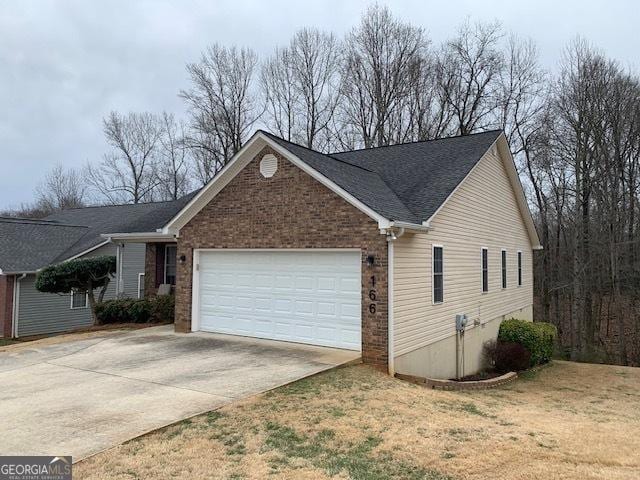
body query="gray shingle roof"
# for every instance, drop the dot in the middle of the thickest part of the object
(28, 245)
(406, 182)
(141, 217)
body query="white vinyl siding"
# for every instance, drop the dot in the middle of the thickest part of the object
(482, 213)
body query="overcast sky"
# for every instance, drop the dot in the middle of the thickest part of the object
(65, 64)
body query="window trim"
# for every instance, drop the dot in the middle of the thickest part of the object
(482, 250)
(86, 300)
(504, 271)
(433, 290)
(164, 275)
(519, 282)
(141, 276)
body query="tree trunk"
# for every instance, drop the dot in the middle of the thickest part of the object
(92, 306)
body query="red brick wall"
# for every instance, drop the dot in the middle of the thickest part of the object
(150, 267)
(288, 210)
(6, 305)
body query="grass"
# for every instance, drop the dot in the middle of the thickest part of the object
(562, 422)
(6, 341)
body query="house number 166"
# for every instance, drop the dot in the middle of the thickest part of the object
(373, 296)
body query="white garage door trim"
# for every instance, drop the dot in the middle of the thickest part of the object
(196, 293)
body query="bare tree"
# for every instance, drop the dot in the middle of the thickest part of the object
(382, 57)
(300, 84)
(468, 69)
(61, 188)
(173, 163)
(222, 103)
(127, 173)
(281, 95)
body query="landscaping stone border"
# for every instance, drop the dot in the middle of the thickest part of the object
(439, 384)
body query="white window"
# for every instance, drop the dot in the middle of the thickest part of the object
(78, 299)
(504, 268)
(170, 252)
(141, 285)
(519, 268)
(485, 269)
(438, 274)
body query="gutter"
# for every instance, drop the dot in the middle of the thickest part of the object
(16, 305)
(416, 227)
(140, 237)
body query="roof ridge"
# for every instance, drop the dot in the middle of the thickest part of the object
(124, 204)
(48, 223)
(316, 151)
(418, 141)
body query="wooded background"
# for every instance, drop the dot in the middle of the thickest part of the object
(574, 134)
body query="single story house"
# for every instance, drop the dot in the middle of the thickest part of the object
(27, 246)
(411, 254)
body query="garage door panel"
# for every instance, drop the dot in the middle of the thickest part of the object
(309, 297)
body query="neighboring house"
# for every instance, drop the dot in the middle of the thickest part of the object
(27, 246)
(375, 250)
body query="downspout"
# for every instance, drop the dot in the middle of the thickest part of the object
(392, 236)
(16, 304)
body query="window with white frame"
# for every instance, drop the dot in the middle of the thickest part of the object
(170, 260)
(485, 269)
(438, 274)
(141, 285)
(519, 269)
(504, 268)
(78, 299)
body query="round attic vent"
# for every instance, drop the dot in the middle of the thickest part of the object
(268, 165)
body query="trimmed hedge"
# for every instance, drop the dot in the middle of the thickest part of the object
(159, 309)
(537, 337)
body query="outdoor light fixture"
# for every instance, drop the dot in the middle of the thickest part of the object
(370, 260)
(182, 258)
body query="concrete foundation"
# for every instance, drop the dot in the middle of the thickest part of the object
(438, 360)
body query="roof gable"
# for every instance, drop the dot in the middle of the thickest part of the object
(424, 174)
(401, 184)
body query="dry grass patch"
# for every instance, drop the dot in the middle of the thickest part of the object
(566, 421)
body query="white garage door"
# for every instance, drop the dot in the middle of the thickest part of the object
(298, 296)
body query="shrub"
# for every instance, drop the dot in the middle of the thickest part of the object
(537, 337)
(159, 309)
(511, 357)
(506, 357)
(162, 308)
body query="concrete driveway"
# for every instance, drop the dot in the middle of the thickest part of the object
(85, 395)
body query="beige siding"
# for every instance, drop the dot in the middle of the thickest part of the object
(482, 213)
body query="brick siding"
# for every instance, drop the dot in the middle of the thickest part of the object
(288, 210)
(150, 266)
